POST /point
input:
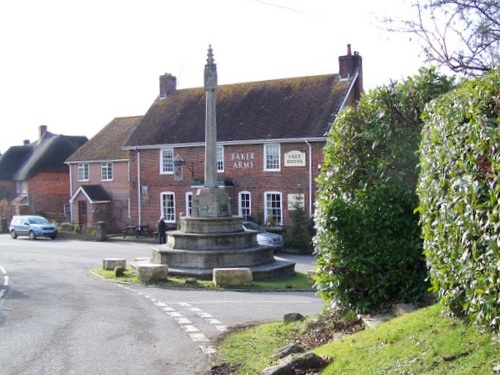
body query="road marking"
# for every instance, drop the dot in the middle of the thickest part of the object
(192, 330)
(197, 337)
(207, 349)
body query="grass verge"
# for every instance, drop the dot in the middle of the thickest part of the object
(300, 281)
(423, 342)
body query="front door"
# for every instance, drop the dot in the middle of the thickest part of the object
(82, 213)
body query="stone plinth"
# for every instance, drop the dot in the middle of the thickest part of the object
(202, 259)
(211, 202)
(210, 241)
(228, 224)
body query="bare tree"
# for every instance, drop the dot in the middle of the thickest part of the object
(463, 35)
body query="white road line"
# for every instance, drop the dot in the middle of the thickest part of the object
(213, 321)
(190, 328)
(207, 349)
(182, 320)
(196, 337)
(204, 315)
(174, 314)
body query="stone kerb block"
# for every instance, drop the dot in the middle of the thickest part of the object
(232, 276)
(151, 272)
(112, 263)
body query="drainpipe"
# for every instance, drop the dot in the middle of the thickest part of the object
(71, 193)
(139, 208)
(310, 177)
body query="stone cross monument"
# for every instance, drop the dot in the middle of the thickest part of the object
(211, 201)
(211, 238)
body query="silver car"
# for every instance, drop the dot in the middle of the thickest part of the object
(32, 226)
(263, 237)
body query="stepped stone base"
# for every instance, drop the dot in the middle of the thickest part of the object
(278, 269)
(203, 244)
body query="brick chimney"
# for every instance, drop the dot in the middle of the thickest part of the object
(168, 84)
(42, 129)
(349, 65)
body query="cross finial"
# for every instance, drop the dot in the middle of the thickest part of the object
(210, 71)
(210, 58)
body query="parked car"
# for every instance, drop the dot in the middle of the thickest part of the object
(263, 237)
(32, 226)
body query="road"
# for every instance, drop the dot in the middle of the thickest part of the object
(57, 318)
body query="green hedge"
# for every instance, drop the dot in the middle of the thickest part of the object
(368, 242)
(459, 190)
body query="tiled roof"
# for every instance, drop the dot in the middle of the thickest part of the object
(107, 144)
(46, 155)
(95, 193)
(278, 109)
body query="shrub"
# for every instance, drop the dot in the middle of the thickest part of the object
(459, 194)
(368, 241)
(298, 234)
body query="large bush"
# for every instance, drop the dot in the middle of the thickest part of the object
(368, 242)
(459, 190)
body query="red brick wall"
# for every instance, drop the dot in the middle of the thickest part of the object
(48, 192)
(114, 214)
(243, 165)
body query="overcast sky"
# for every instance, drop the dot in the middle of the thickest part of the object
(75, 65)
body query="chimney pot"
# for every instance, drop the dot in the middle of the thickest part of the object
(168, 84)
(41, 131)
(348, 49)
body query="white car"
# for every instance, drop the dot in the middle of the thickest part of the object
(32, 226)
(264, 238)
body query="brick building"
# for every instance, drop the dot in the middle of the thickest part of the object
(270, 139)
(33, 176)
(100, 177)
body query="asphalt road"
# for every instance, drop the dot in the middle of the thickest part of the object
(57, 318)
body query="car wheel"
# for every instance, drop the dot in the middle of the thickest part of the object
(32, 235)
(13, 234)
(53, 237)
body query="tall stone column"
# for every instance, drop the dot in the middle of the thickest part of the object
(210, 122)
(211, 201)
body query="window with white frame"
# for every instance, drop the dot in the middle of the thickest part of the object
(220, 159)
(244, 204)
(106, 171)
(83, 172)
(167, 161)
(272, 159)
(167, 202)
(189, 203)
(274, 207)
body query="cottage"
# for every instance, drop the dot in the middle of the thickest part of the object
(99, 177)
(34, 178)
